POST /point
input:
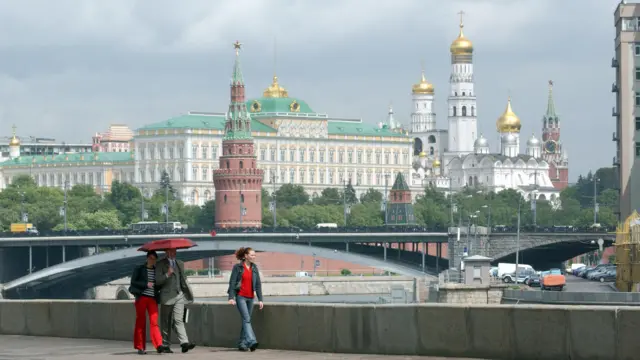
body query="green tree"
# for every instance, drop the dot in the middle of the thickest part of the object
(165, 184)
(289, 195)
(371, 196)
(329, 196)
(349, 194)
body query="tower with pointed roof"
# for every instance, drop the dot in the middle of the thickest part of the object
(552, 151)
(463, 125)
(238, 181)
(399, 205)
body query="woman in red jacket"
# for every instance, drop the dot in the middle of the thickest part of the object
(243, 283)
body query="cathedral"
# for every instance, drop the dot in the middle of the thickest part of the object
(457, 157)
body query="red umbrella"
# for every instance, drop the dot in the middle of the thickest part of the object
(165, 244)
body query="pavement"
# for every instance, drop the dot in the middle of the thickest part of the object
(46, 348)
(578, 284)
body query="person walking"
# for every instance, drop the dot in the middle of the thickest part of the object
(243, 283)
(144, 289)
(175, 293)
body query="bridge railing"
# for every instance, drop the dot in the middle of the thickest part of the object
(479, 230)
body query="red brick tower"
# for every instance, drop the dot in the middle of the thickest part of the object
(238, 181)
(552, 146)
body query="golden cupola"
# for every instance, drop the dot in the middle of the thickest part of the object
(14, 140)
(461, 45)
(508, 122)
(422, 154)
(423, 87)
(275, 90)
(436, 163)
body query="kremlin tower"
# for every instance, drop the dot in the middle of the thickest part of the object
(552, 147)
(238, 181)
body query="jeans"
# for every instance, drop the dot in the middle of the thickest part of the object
(247, 336)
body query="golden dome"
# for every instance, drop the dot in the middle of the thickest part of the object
(423, 87)
(436, 163)
(422, 154)
(14, 140)
(509, 121)
(275, 90)
(461, 45)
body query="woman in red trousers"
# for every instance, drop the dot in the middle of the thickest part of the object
(143, 287)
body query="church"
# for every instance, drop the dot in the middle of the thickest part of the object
(457, 157)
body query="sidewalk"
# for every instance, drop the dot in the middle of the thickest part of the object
(27, 347)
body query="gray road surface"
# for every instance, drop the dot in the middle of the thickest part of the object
(578, 284)
(43, 348)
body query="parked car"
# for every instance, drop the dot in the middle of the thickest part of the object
(532, 280)
(577, 270)
(522, 275)
(609, 275)
(552, 280)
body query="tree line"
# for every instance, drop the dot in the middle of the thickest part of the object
(124, 204)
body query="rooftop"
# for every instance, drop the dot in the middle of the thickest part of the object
(70, 158)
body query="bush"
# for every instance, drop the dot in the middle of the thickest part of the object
(189, 272)
(345, 272)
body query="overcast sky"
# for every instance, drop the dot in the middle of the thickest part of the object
(69, 68)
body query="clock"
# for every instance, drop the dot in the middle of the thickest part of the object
(294, 107)
(550, 146)
(256, 107)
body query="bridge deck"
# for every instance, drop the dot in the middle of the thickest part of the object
(31, 347)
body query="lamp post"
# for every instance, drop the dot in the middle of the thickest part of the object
(595, 200)
(386, 198)
(274, 201)
(518, 239)
(166, 204)
(66, 185)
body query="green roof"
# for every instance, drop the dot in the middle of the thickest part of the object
(400, 183)
(201, 121)
(360, 129)
(279, 105)
(87, 157)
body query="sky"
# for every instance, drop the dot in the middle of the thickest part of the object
(70, 68)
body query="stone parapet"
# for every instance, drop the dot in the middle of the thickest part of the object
(469, 331)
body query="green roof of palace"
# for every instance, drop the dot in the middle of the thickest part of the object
(199, 121)
(69, 158)
(278, 105)
(217, 121)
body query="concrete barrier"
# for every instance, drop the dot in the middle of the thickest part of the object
(511, 296)
(489, 331)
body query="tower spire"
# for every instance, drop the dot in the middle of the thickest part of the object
(551, 106)
(238, 124)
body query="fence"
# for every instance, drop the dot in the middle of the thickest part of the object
(628, 254)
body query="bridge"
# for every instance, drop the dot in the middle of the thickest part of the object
(20, 256)
(73, 278)
(542, 332)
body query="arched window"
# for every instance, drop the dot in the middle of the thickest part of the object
(241, 164)
(242, 198)
(431, 151)
(473, 111)
(464, 111)
(454, 111)
(225, 199)
(417, 146)
(431, 139)
(228, 164)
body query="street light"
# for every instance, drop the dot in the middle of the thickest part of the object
(518, 238)
(595, 200)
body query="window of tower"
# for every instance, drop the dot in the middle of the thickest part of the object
(473, 111)
(637, 123)
(225, 199)
(464, 94)
(432, 139)
(638, 73)
(455, 93)
(242, 198)
(454, 111)
(464, 111)
(637, 99)
(417, 147)
(228, 164)
(256, 198)
(241, 164)
(431, 151)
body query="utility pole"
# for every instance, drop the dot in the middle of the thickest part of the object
(344, 201)
(66, 185)
(595, 200)
(534, 199)
(273, 180)
(166, 205)
(518, 241)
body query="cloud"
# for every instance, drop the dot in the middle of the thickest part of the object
(69, 68)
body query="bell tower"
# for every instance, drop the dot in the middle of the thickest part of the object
(238, 181)
(552, 151)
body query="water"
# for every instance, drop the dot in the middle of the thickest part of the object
(319, 299)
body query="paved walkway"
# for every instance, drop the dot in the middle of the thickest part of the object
(43, 348)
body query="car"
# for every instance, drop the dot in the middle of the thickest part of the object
(532, 280)
(609, 275)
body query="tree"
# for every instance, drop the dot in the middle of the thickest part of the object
(289, 195)
(349, 194)
(371, 196)
(165, 183)
(329, 196)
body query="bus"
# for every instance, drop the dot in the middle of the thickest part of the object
(155, 227)
(327, 226)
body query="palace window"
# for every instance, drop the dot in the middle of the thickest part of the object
(301, 153)
(378, 158)
(359, 156)
(387, 158)
(205, 152)
(292, 155)
(282, 155)
(194, 172)
(405, 158)
(194, 151)
(330, 177)
(263, 154)
(312, 176)
(396, 157)
(369, 157)
(302, 178)
(322, 155)
(358, 178)
(312, 155)
(321, 179)
(214, 152)
(350, 156)
(152, 153)
(292, 176)
(273, 154)
(340, 157)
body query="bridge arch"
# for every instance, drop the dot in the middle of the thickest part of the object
(68, 279)
(122, 293)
